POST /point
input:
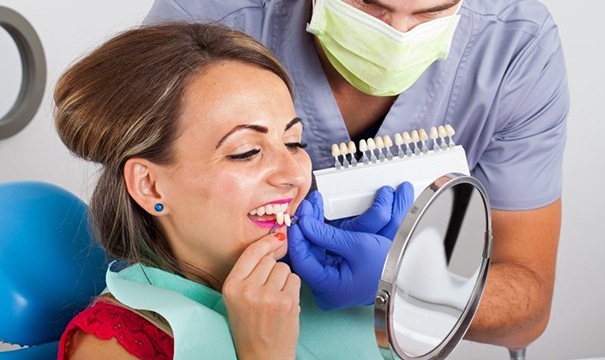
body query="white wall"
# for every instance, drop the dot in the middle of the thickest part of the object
(67, 30)
(577, 327)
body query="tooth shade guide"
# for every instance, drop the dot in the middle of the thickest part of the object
(404, 141)
(350, 192)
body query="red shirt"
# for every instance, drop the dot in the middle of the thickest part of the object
(134, 333)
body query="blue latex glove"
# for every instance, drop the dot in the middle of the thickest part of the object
(342, 268)
(386, 213)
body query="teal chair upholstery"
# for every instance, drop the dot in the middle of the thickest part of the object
(50, 266)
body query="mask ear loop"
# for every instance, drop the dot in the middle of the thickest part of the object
(458, 9)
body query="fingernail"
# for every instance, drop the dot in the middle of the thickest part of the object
(280, 236)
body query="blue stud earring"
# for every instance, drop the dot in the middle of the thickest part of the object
(159, 207)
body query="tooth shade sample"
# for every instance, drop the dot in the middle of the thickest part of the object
(335, 150)
(279, 218)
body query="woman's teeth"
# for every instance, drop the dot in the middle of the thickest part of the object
(283, 218)
(279, 210)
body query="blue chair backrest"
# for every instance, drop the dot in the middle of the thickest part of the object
(51, 267)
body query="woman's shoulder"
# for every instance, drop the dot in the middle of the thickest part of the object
(106, 326)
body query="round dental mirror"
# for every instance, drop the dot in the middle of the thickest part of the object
(435, 271)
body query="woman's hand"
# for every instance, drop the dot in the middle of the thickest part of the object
(262, 299)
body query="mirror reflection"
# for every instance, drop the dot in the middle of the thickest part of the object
(439, 270)
(435, 271)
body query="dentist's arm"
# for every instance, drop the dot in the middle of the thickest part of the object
(516, 302)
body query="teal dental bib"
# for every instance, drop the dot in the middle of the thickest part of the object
(198, 318)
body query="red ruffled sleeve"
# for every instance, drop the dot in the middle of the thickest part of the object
(133, 332)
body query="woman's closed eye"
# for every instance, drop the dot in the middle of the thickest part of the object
(295, 146)
(248, 155)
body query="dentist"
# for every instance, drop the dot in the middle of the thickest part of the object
(494, 70)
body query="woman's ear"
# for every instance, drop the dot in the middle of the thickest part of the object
(142, 185)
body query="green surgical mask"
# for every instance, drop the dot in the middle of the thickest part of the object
(373, 56)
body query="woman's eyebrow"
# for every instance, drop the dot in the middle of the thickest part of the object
(257, 128)
(293, 122)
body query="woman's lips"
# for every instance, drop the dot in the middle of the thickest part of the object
(265, 221)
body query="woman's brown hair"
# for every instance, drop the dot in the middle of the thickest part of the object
(124, 100)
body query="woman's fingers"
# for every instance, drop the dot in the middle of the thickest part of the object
(253, 254)
(278, 276)
(262, 298)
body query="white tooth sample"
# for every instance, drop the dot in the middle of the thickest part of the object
(287, 220)
(279, 218)
(363, 147)
(399, 142)
(416, 140)
(379, 146)
(253, 212)
(260, 211)
(372, 147)
(449, 130)
(423, 139)
(269, 210)
(407, 140)
(442, 135)
(336, 154)
(371, 144)
(352, 152)
(344, 150)
(387, 144)
(434, 135)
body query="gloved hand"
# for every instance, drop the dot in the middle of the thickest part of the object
(341, 267)
(385, 214)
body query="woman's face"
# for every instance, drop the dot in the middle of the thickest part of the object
(239, 152)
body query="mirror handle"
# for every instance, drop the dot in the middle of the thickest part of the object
(517, 354)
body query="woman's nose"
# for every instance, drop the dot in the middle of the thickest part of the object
(290, 169)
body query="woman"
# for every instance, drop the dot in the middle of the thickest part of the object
(201, 156)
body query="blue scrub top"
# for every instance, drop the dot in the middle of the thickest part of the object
(503, 88)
